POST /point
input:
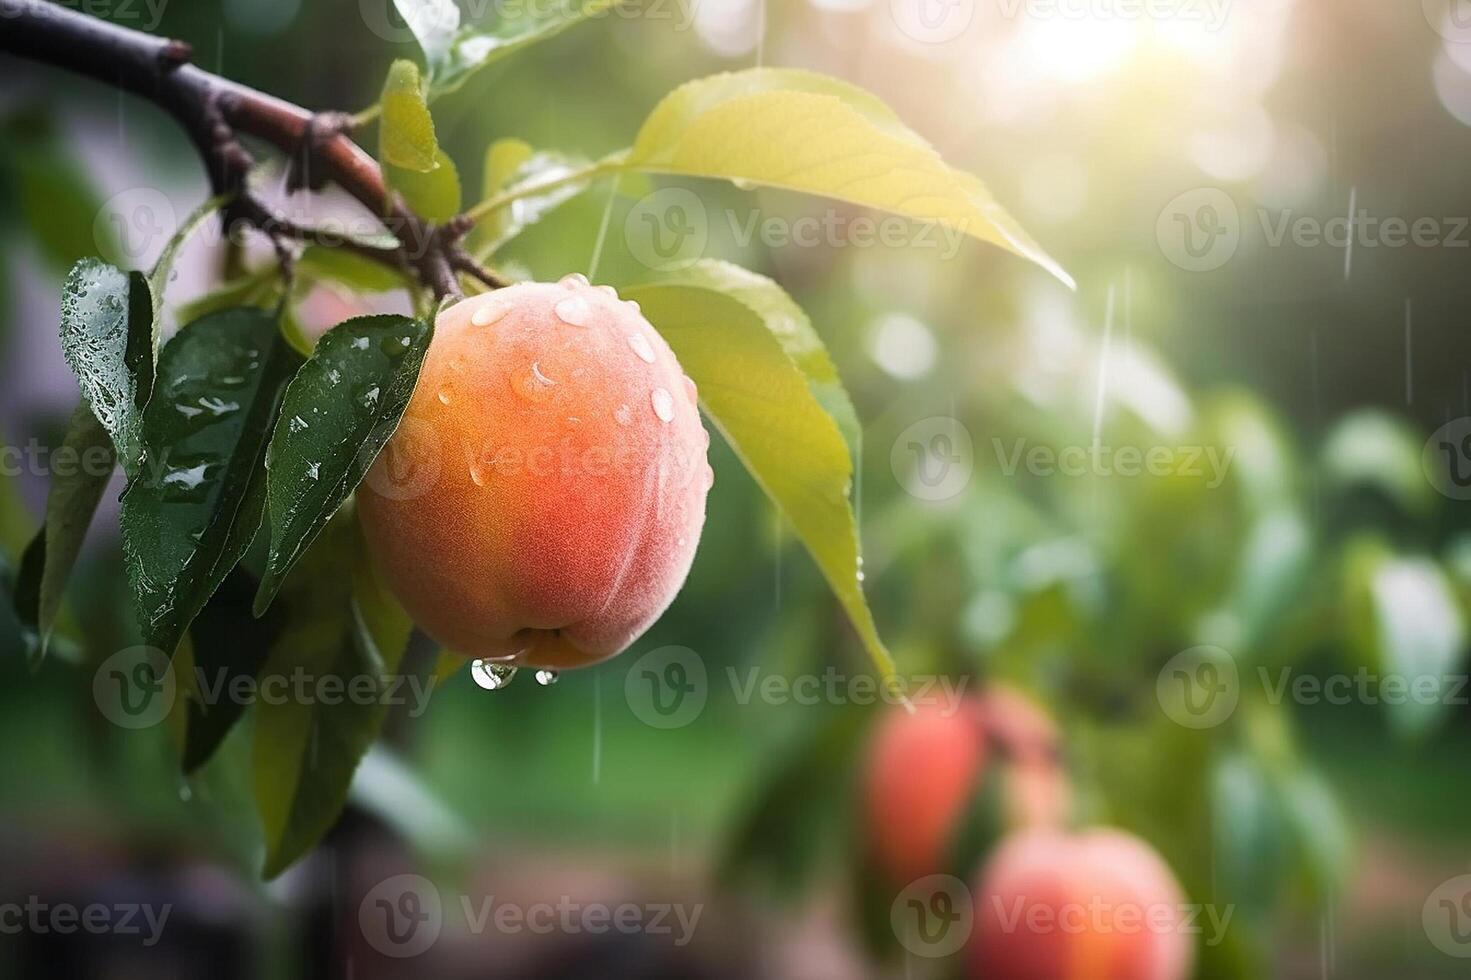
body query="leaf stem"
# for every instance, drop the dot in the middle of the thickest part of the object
(608, 164)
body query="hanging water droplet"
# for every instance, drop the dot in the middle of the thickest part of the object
(575, 310)
(572, 280)
(624, 415)
(641, 347)
(663, 403)
(488, 314)
(491, 675)
(861, 576)
(546, 678)
(532, 384)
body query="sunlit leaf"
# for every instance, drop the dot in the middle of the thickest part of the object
(192, 510)
(512, 167)
(406, 138)
(434, 23)
(338, 412)
(808, 132)
(340, 628)
(348, 269)
(434, 195)
(109, 338)
(476, 49)
(1376, 450)
(736, 347)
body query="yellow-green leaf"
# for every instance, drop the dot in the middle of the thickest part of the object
(808, 132)
(737, 337)
(406, 137)
(435, 194)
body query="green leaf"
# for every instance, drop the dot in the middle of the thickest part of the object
(259, 288)
(158, 281)
(57, 201)
(512, 167)
(807, 132)
(1374, 449)
(109, 339)
(348, 269)
(434, 23)
(406, 138)
(739, 348)
(475, 50)
(191, 512)
(1249, 838)
(340, 628)
(228, 644)
(80, 474)
(340, 410)
(434, 195)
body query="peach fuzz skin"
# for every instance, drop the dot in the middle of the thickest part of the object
(1098, 905)
(544, 494)
(923, 768)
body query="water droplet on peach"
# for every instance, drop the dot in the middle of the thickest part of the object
(607, 291)
(663, 403)
(575, 310)
(488, 314)
(572, 280)
(691, 390)
(444, 396)
(532, 383)
(624, 415)
(491, 675)
(641, 347)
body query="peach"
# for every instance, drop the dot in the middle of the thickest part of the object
(1098, 905)
(542, 498)
(924, 767)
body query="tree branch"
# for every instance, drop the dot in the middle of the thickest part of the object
(215, 111)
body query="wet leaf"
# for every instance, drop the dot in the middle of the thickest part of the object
(406, 139)
(189, 515)
(477, 49)
(339, 411)
(109, 338)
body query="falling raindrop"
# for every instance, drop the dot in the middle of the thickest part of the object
(576, 311)
(641, 347)
(491, 675)
(546, 678)
(663, 403)
(487, 315)
(572, 280)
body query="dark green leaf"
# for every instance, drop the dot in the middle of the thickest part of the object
(109, 339)
(191, 512)
(80, 473)
(339, 624)
(338, 413)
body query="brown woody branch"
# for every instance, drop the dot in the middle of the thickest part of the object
(215, 112)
